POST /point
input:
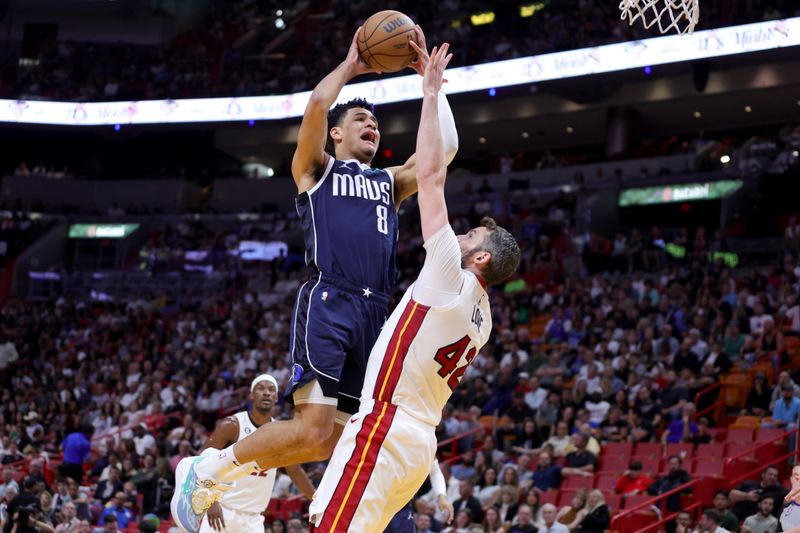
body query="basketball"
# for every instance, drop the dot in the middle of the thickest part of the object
(383, 42)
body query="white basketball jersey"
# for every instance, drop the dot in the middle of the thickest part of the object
(252, 493)
(422, 352)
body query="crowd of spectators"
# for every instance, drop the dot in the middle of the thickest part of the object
(618, 356)
(216, 60)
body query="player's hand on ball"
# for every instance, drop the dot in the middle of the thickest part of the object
(434, 70)
(446, 506)
(215, 519)
(421, 49)
(353, 60)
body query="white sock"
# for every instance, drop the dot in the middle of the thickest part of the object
(217, 465)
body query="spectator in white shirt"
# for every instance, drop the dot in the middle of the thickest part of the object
(537, 395)
(758, 319)
(549, 512)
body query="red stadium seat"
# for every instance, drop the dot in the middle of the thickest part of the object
(735, 448)
(606, 481)
(548, 496)
(652, 449)
(739, 435)
(718, 434)
(614, 463)
(768, 434)
(677, 448)
(632, 501)
(709, 450)
(649, 463)
(565, 497)
(613, 500)
(577, 482)
(638, 521)
(617, 448)
(707, 467)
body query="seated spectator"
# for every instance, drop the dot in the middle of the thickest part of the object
(702, 436)
(746, 496)
(758, 399)
(462, 522)
(633, 480)
(787, 409)
(487, 491)
(722, 506)
(106, 489)
(709, 523)
(533, 500)
(682, 429)
(508, 505)
(550, 524)
(523, 522)
(468, 501)
(683, 523)
(465, 469)
(8, 481)
(762, 521)
(491, 521)
(595, 517)
(547, 475)
(560, 440)
(676, 476)
(567, 515)
(422, 521)
(120, 508)
(581, 462)
(615, 428)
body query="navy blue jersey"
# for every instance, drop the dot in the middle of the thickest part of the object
(350, 224)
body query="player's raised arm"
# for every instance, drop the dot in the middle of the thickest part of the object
(309, 156)
(405, 175)
(431, 167)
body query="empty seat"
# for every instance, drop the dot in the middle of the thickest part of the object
(614, 463)
(606, 481)
(617, 448)
(681, 449)
(565, 497)
(706, 467)
(577, 482)
(717, 434)
(709, 450)
(613, 500)
(649, 448)
(629, 502)
(740, 434)
(733, 449)
(768, 434)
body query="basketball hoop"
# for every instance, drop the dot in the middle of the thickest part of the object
(678, 15)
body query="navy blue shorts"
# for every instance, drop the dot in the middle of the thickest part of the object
(402, 522)
(334, 326)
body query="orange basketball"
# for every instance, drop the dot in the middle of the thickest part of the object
(383, 42)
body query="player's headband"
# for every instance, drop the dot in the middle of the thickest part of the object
(263, 377)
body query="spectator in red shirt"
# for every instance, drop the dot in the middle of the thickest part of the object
(633, 481)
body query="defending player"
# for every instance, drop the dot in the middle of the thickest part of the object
(240, 509)
(349, 216)
(387, 448)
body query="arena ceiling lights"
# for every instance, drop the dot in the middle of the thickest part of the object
(707, 44)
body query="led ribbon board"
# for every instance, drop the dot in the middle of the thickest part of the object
(101, 231)
(688, 192)
(572, 63)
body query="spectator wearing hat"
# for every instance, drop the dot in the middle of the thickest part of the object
(76, 448)
(143, 440)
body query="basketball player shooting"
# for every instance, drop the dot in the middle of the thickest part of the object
(349, 215)
(239, 510)
(387, 448)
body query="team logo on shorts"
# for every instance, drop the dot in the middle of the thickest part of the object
(297, 373)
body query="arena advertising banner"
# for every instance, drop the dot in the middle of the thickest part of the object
(688, 192)
(707, 44)
(101, 231)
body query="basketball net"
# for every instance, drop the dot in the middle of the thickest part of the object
(678, 15)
